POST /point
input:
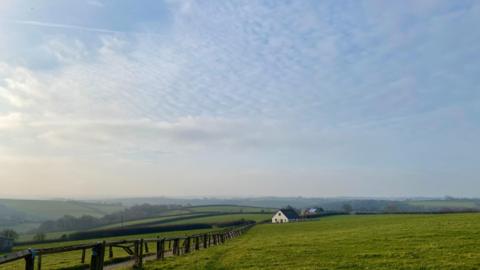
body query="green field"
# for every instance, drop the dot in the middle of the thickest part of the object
(229, 208)
(223, 218)
(192, 218)
(450, 241)
(143, 221)
(50, 209)
(48, 236)
(72, 259)
(446, 203)
(33, 212)
(164, 220)
(197, 210)
(178, 213)
(22, 227)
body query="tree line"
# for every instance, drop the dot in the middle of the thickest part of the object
(85, 222)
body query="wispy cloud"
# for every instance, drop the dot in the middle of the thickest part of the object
(70, 27)
(64, 26)
(281, 88)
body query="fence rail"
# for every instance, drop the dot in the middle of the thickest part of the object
(137, 249)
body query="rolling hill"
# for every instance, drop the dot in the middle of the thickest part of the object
(24, 215)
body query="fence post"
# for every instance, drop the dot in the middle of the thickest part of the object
(102, 255)
(39, 262)
(30, 260)
(175, 247)
(135, 252)
(161, 249)
(205, 240)
(197, 242)
(110, 251)
(83, 256)
(94, 258)
(187, 245)
(158, 247)
(138, 254)
(98, 254)
(146, 248)
(179, 249)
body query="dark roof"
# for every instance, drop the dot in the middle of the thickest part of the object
(290, 213)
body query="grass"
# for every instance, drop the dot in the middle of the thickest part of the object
(192, 218)
(72, 259)
(450, 241)
(48, 236)
(22, 227)
(223, 218)
(142, 221)
(445, 203)
(163, 219)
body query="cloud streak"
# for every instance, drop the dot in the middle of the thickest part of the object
(64, 26)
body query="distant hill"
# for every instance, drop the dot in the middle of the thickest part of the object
(266, 202)
(205, 214)
(23, 215)
(331, 204)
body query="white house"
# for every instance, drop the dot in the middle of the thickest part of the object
(285, 215)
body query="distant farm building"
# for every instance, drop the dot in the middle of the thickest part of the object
(312, 211)
(6, 244)
(285, 215)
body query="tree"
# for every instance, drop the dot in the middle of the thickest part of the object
(40, 236)
(391, 208)
(347, 207)
(9, 233)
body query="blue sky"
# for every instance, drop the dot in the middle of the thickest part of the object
(239, 98)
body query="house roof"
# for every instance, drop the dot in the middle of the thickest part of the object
(290, 213)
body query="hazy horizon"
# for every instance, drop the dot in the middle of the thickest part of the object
(239, 98)
(200, 197)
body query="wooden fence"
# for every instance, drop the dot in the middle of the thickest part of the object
(137, 249)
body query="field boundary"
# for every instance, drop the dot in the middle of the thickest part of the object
(157, 226)
(137, 249)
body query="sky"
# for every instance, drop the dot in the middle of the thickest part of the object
(239, 98)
